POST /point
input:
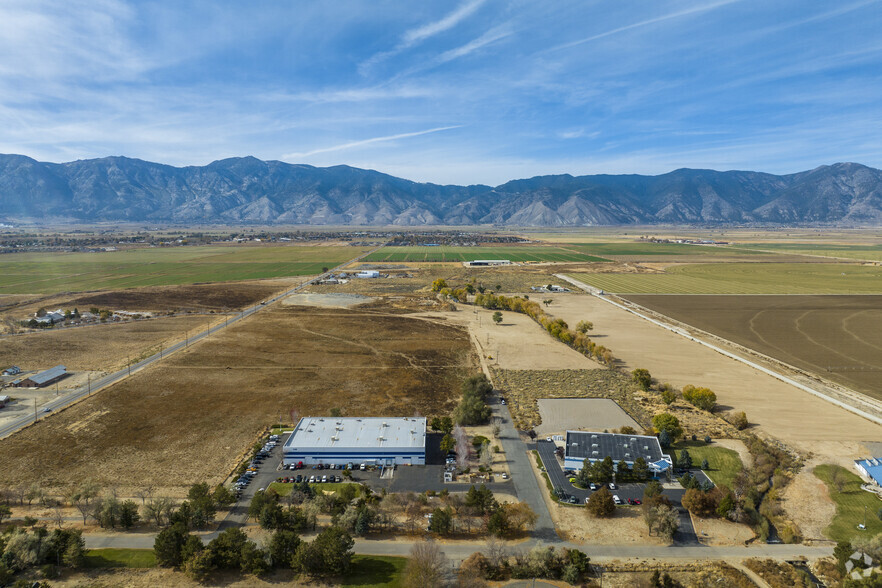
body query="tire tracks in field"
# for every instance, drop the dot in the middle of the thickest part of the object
(805, 334)
(368, 347)
(855, 335)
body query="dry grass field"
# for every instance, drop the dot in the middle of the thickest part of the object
(191, 417)
(838, 337)
(97, 348)
(193, 297)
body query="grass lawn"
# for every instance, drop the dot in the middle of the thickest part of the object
(745, 278)
(285, 489)
(724, 463)
(119, 558)
(850, 505)
(374, 571)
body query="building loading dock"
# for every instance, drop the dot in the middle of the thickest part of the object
(370, 440)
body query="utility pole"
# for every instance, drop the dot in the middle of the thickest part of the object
(187, 339)
(35, 410)
(130, 367)
(160, 351)
(89, 384)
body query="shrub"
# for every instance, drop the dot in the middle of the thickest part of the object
(703, 398)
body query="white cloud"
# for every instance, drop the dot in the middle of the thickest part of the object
(418, 35)
(352, 144)
(643, 23)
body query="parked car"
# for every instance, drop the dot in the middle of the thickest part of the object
(362, 467)
(298, 479)
(592, 486)
(612, 486)
(573, 500)
(324, 478)
(312, 479)
(504, 476)
(616, 499)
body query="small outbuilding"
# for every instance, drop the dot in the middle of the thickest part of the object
(369, 440)
(45, 378)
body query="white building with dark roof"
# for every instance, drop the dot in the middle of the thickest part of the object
(593, 446)
(371, 440)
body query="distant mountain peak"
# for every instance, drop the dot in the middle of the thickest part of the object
(247, 189)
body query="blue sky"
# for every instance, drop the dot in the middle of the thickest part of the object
(475, 91)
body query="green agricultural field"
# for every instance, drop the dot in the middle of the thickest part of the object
(724, 463)
(653, 251)
(745, 278)
(857, 252)
(850, 505)
(522, 253)
(48, 273)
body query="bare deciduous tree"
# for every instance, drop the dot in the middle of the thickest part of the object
(427, 567)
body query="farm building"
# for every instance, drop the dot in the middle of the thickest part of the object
(368, 274)
(871, 469)
(12, 370)
(376, 440)
(483, 262)
(582, 445)
(50, 318)
(3, 401)
(50, 376)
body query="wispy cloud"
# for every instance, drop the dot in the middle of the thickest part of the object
(419, 34)
(644, 23)
(353, 144)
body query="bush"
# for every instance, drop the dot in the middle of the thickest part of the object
(703, 398)
(642, 378)
(668, 423)
(738, 420)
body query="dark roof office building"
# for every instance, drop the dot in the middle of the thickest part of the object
(582, 445)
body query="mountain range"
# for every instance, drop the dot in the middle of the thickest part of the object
(248, 190)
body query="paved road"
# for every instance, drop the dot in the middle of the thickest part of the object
(525, 485)
(109, 379)
(459, 551)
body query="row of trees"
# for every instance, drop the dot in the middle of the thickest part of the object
(428, 568)
(601, 472)
(329, 554)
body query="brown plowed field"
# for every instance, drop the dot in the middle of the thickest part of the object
(838, 337)
(191, 417)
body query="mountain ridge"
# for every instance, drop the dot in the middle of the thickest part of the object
(251, 190)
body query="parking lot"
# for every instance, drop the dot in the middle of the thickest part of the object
(634, 491)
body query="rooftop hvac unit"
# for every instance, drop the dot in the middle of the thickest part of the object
(381, 438)
(592, 445)
(595, 453)
(633, 439)
(335, 438)
(646, 448)
(594, 436)
(627, 454)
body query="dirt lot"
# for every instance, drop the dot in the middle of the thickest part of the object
(504, 344)
(106, 347)
(191, 417)
(838, 337)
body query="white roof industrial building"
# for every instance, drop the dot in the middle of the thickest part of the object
(372, 440)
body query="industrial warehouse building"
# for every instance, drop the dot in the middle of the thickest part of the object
(45, 378)
(375, 441)
(582, 445)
